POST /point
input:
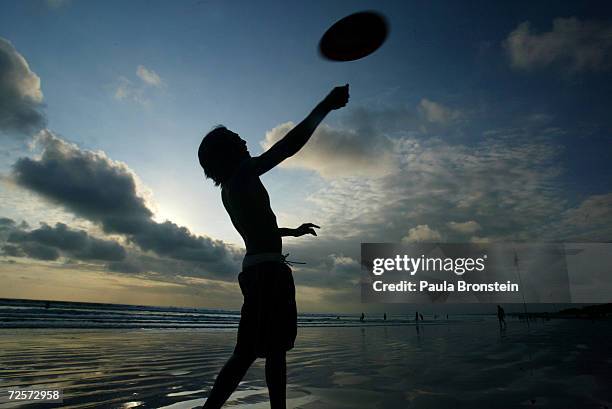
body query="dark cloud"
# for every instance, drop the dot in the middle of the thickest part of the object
(20, 94)
(6, 223)
(52, 242)
(87, 183)
(76, 243)
(7, 226)
(12, 251)
(48, 243)
(40, 251)
(94, 187)
(126, 266)
(171, 240)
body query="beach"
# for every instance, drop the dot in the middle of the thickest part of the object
(551, 364)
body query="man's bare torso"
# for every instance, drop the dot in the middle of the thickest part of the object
(247, 202)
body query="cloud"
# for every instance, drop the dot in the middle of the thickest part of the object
(381, 123)
(127, 91)
(594, 209)
(127, 266)
(40, 251)
(12, 251)
(336, 153)
(328, 271)
(577, 45)
(93, 186)
(344, 269)
(361, 146)
(503, 187)
(421, 233)
(149, 77)
(76, 244)
(88, 183)
(510, 184)
(468, 227)
(591, 220)
(20, 94)
(6, 223)
(437, 113)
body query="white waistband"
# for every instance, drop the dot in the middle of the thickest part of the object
(251, 259)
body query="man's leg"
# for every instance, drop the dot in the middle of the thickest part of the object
(276, 379)
(228, 379)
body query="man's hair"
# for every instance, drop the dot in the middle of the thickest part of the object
(218, 155)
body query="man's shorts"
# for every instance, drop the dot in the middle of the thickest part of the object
(268, 318)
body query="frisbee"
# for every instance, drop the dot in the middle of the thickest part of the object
(353, 37)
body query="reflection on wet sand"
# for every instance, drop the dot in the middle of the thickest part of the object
(562, 363)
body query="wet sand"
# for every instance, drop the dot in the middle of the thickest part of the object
(557, 364)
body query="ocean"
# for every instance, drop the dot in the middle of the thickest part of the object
(16, 313)
(21, 313)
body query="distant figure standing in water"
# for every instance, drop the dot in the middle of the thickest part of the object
(362, 318)
(501, 316)
(385, 316)
(268, 318)
(416, 317)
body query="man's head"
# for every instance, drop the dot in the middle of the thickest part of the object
(220, 153)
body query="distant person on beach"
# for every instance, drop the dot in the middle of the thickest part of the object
(385, 316)
(416, 317)
(268, 318)
(421, 315)
(501, 316)
(362, 318)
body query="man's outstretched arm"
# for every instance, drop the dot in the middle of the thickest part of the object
(301, 133)
(306, 228)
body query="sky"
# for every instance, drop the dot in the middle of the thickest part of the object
(474, 122)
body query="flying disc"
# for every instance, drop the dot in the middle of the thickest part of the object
(353, 37)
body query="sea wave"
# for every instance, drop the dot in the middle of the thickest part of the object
(63, 314)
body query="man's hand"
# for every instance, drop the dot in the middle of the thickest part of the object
(306, 228)
(337, 98)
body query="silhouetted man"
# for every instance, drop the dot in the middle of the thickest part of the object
(501, 316)
(268, 318)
